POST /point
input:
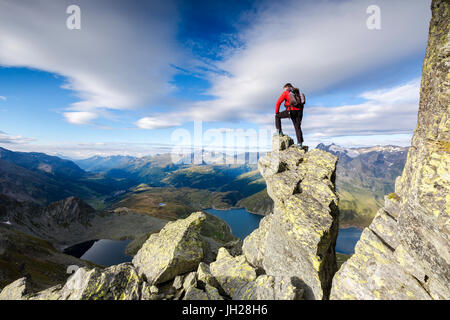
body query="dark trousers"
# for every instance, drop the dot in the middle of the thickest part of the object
(296, 117)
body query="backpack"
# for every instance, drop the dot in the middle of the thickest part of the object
(296, 99)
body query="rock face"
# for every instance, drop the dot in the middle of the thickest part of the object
(177, 249)
(298, 239)
(405, 252)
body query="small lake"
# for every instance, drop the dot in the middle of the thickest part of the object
(103, 252)
(347, 239)
(242, 223)
(110, 252)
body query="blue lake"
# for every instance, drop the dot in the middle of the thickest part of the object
(242, 223)
(110, 252)
(103, 252)
(347, 239)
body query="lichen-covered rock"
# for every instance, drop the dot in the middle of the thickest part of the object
(405, 252)
(181, 245)
(232, 273)
(269, 288)
(15, 291)
(175, 250)
(190, 280)
(204, 275)
(178, 282)
(120, 282)
(212, 293)
(373, 273)
(252, 247)
(195, 294)
(298, 239)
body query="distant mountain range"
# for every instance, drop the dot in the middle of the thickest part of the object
(364, 176)
(40, 178)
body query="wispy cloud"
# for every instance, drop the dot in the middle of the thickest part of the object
(113, 62)
(158, 122)
(378, 115)
(80, 117)
(8, 139)
(3, 98)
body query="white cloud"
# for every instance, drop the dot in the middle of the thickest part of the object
(80, 117)
(159, 122)
(3, 98)
(407, 92)
(315, 45)
(120, 59)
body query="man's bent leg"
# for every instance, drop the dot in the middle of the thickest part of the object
(278, 117)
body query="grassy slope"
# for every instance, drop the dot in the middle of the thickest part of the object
(259, 203)
(22, 254)
(179, 202)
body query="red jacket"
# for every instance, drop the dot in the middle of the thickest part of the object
(284, 97)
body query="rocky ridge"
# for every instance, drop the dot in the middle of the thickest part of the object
(405, 252)
(298, 239)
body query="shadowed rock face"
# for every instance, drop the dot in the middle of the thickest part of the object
(298, 239)
(175, 250)
(405, 252)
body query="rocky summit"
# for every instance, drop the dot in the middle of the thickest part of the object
(405, 252)
(298, 239)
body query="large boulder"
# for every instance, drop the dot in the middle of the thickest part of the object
(120, 282)
(405, 252)
(181, 245)
(298, 239)
(176, 249)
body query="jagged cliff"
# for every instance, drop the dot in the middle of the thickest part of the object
(405, 252)
(291, 255)
(298, 239)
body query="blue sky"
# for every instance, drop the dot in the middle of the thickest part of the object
(137, 71)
